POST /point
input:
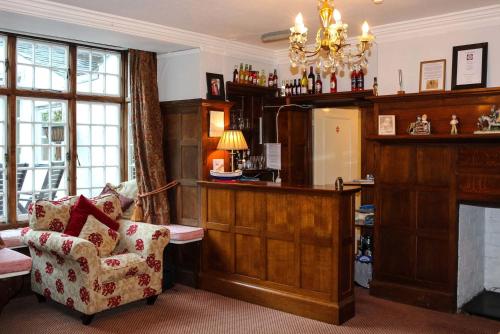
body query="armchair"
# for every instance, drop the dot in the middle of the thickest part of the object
(69, 271)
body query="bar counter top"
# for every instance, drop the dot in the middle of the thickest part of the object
(271, 186)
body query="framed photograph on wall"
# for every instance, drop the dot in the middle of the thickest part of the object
(387, 125)
(470, 66)
(215, 87)
(432, 75)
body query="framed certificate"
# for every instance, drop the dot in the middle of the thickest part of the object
(432, 75)
(470, 64)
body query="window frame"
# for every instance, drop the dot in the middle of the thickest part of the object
(12, 92)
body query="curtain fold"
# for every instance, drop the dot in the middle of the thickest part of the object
(148, 136)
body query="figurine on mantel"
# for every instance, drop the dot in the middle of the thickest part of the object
(489, 123)
(454, 122)
(421, 127)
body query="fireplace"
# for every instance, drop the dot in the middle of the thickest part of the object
(478, 284)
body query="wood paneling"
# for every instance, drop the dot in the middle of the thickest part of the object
(189, 152)
(421, 180)
(285, 247)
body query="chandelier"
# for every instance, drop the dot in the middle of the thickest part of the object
(331, 51)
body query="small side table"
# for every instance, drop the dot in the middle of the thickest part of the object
(182, 256)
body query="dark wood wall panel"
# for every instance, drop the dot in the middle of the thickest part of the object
(249, 261)
(420, 182)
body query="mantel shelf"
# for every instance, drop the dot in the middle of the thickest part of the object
(328, 99)
(438, 138)
(426, 96)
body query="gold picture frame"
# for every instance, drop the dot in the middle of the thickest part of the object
(432, 76)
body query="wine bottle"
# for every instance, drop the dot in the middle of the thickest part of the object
(270, 81)
(245, 74)
(275, 79)
(303, 83)
(241, 75)
(235, 74)
(294, 88)
(360, 80)
(333, 82)
(310, 81)
(287, 89)
(354, 80)
(319, 84)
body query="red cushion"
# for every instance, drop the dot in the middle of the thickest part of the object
(79, 213)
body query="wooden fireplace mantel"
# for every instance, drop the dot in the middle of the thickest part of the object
(420, 182)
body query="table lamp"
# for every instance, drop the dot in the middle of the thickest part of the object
(232, 140)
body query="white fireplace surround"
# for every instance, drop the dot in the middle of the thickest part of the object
(478, 252)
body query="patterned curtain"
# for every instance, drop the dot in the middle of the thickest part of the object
(148, 136)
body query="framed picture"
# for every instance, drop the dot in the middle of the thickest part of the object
(387, 125)
(216, 125)
(432, 75)
(470, 66)
(215, 87)
(218, 165)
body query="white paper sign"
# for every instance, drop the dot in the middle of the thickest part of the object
(218, 165)
(469, 66)
(273, 155)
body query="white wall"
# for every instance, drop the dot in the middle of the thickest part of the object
(471, 269)
(492, 249)
(407, 54)
(178, 75)
(182, 75)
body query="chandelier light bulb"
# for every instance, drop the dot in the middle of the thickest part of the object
(299, 24)
(336, 16)
(365, 28)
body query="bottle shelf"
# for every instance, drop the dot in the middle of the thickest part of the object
(327, 98)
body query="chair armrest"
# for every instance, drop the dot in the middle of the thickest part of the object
(59, 244)
(143, 239)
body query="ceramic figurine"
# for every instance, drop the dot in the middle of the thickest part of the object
(421, 127)
(454, 122)
(375, 86)
(489, 123)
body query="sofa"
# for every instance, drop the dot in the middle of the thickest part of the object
(69, 270)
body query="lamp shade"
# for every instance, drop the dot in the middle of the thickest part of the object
(232, 140)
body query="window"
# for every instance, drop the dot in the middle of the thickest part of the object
(98, 143)
(131, 157)
(42, 65)
(41, 150)
(3, 170)
(98, 72)
(3, 57)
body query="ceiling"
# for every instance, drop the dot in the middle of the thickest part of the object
(245, 21)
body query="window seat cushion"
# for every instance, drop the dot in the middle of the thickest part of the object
(13, 262)
(184, 233)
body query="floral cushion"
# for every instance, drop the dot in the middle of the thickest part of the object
(116, 267)
(127, 189)
(49, 215)
(109, 204)
(103, 237)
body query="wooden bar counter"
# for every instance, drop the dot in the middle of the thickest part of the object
(286, 247)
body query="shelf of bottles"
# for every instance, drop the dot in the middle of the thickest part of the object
(313, 85)
(245, 75)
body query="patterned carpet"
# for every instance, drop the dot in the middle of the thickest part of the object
(185, 310)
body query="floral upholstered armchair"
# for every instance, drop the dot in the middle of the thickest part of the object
(69, 270)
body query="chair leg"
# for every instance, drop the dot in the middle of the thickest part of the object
(87, 319)
(40, 298)
(151, 300)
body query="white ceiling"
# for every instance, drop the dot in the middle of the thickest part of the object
(245, 21)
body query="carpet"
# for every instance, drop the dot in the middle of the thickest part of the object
(186, 310)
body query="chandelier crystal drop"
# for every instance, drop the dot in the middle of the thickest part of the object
(331, 50)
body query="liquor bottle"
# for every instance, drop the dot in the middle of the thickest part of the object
(241, 75)
(245, 74)
(287, 89)
(354, 80)
(360, 80)
(319, 83)
(333, 82)
(292, 88)
(250, 75)
(235, 74)
(262, 79)
(270, 82)
(303, 83)
(275, 79)
(282, 88)
(310, 81)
